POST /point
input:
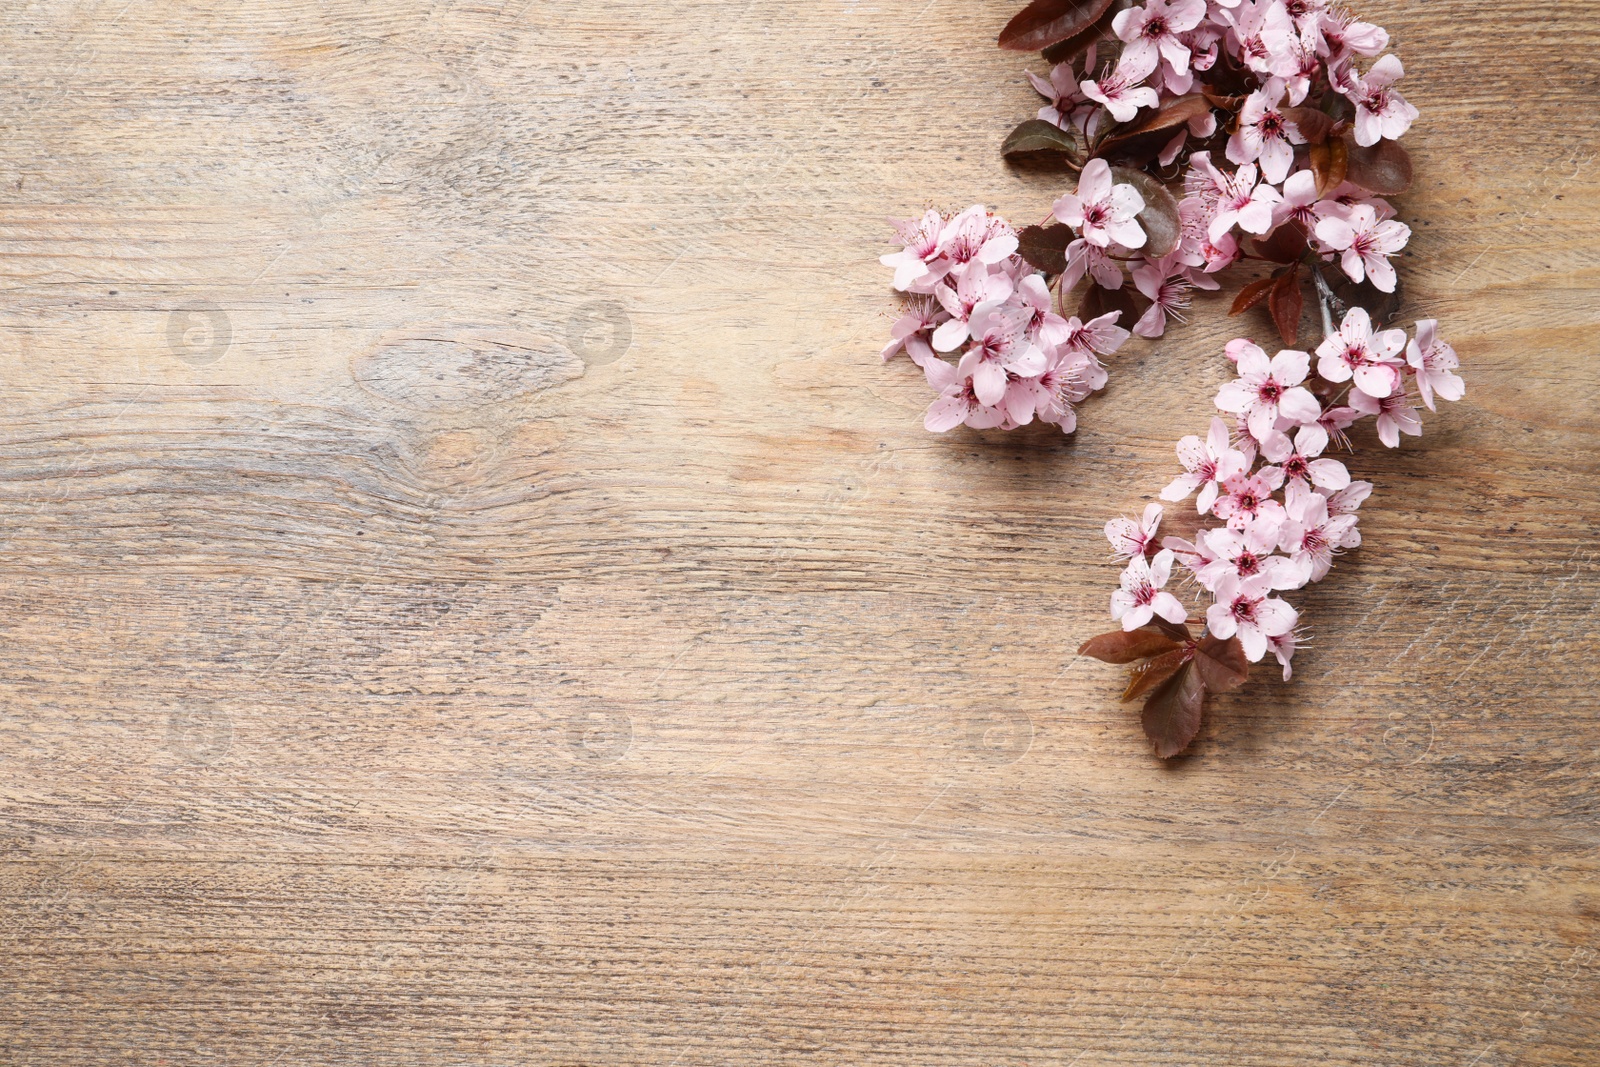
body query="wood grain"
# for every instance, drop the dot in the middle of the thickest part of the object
(473, 595)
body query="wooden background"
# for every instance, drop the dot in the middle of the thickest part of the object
(473, 596)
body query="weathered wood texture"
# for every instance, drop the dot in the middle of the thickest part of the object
(398, 672)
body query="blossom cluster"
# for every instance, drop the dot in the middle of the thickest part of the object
(1284, 509)
(975, 300)
(1288, 52)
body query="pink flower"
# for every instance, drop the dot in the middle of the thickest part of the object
(1335, 421)
(1396, 415)
(1372, 360)
(1264, 134)
(1120, 92)
(1101, 211)
(1051, 395)
(921, 240)
(1381, 112)
(1082, 258)
(1265, 391)
(1001, 348)
(1062, 92)
(1208, 463)
(1129, 539)
(1248, 499)
(1348, 501)
(1167, 283)
(1097, 337)
(1245, 609)
(1312, 536)
(976, 235)
(922, 315)
(1283, 646)
(1299, 461)
(1435, 363)
(958, 402)
(1262, 33)
(1141, 597)
(1150, 34)
(1338, 36)
(975, 287)
(1195, 557)
(1244, 204)
(1248, 553)
(1366, 243)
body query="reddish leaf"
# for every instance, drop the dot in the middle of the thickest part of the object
(1123, 647)
(1044, 146)
(1286, 244)
(1222, 664)
(1079, 43)
(1172, 714)
(1226, 103)
(1159, 218)
(1097, 301)
(1046, 22)
(1384, 169)
(1286, 302)
(1329, 162)
(1164, 120)
(1146, 676)
(1045, 247)
(1314, 125)
(1252, 294)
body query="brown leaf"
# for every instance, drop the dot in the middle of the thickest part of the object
(1043, 146)
(1146, 676)
(1123, 647)
(1079, 43)
(1226, 103)
(1046, 22)
(1159, 218)
(1314, 125)
(1286, 244)
(1384, 169)
(1172, 714)
(1097, 301)
(1222, 664)
(1164, 121)
(1329, 162)
(1252, 294)
(1286, 302)
(1045, 247)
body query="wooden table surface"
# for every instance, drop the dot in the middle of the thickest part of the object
(473, 596)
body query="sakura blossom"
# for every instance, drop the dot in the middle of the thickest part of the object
(1142, 597)
(1366, 244)
(1208, 463)
(1396, 415)
(1245, 203)
(1381, 112)
(1246, 609)
(1434, 363)
(1371, 357)
(1302, 462)
(1119, 92)
(1264, 133)
(1312, 535)
(1128, 538)
(1267, 391)
(1152, 33)
(1101, 211)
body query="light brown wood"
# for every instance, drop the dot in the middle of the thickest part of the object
(473, 595)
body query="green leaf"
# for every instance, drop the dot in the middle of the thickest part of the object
(1043, 146)
(1160, 215)
(1172, 714)
(1047, 22)
(1121, 647)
